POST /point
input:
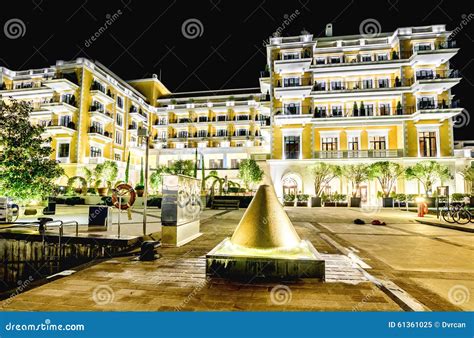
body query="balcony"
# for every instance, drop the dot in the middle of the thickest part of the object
(438, 109)
(138, 114)
(295, 90)
(97, 114)
(292, 65)
(436, 81)
(60, 84)
(101, 96)
(100, 135)
(354, 154)
(60, 106)
(56, 128)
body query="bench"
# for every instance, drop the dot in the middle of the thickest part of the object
(226, 204)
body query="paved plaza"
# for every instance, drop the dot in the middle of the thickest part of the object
(432, 266)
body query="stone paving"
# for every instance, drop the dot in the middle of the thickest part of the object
(435, 266)
(177, 281)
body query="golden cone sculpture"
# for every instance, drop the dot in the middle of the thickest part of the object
(265, 224)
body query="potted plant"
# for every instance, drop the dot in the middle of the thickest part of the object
(106, 173)
(322, 174)
(302, 200)
(468, 175)
(78, 184)
(387, 174)
(356, 174)
(428, 173)
(289, 200)
(140, 187)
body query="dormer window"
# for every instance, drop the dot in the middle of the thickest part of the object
(291, 55)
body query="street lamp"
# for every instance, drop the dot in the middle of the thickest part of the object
(143, 133)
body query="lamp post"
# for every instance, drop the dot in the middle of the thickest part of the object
(143, 133)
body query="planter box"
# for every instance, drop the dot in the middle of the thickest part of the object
(387, 202)
(302, 203)
(289, 204)
(315, 202)
(355, 202)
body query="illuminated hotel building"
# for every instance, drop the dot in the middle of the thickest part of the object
(341, 100)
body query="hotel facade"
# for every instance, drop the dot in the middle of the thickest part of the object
(341, 100)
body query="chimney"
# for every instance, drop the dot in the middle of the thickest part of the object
(329, 29)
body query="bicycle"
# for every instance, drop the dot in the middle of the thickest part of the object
(457, 213)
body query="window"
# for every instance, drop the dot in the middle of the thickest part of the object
(367, 84)
(382, 57)
(221, 132)
(119, 102)
(64, 120)
(183, 133)
(377, 142)
(369, 109)
(118, 137)
(291, 82)
(202, 119)
(336, 111)
(427, 143)
(422, 46)
(353, 143)
(222, 118)
(291, 56)
(384, 83)
(97, 106)
(95, 152)
(242, 132)
(292, 147)
(329, 143)
(216, 164)
(320, 86)
(292, 108)
(97, 127)
(366, 58)
(202, 133)
(335, 59)
(63, 151)
(119, 119)
(426, 103)
(320, 111)
(117, 157)
(234, 163)
(384, 109)
(336, 85)
(425, 74)
(320, 61)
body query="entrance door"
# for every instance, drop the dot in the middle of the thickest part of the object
(363, 193)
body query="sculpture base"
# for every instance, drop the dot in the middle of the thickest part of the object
(227, 260)
(178, 235)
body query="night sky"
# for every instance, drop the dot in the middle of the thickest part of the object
(226, 49)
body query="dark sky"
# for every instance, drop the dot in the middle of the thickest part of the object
(146, 37)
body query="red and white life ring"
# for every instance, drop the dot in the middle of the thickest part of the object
(119, 191)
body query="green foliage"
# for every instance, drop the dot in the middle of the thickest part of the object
(77, 182)
(356, 174)
(289, 197)
(195, 163)
(457, 197)
(302, 197)
(182, 167)
(142, 174)
(323, 174)
(387, 174)
(428, 173)
(468, 174)
(127, 169)
(26, 170)
(105, 173)
(156, 178)
(250, 173)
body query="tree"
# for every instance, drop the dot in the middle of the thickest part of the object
(387, 174)
(428, 173)
(106, 173)
(362, 109)
(195, 163)
(127, 169)
(26, 170)
(356, 174)
(182, 167)
(355, 109)
(250, 172)
(156, 178)
(468, 174)
(323, 174)
(142, 174)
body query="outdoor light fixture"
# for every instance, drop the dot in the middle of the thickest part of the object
(419, 199)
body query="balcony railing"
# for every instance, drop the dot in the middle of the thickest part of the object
(442, 104)
(444, 74)
(349, 154)
(361, 85)
(93, 130)
(70, 125)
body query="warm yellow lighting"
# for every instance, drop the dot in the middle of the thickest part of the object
(419, 199)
